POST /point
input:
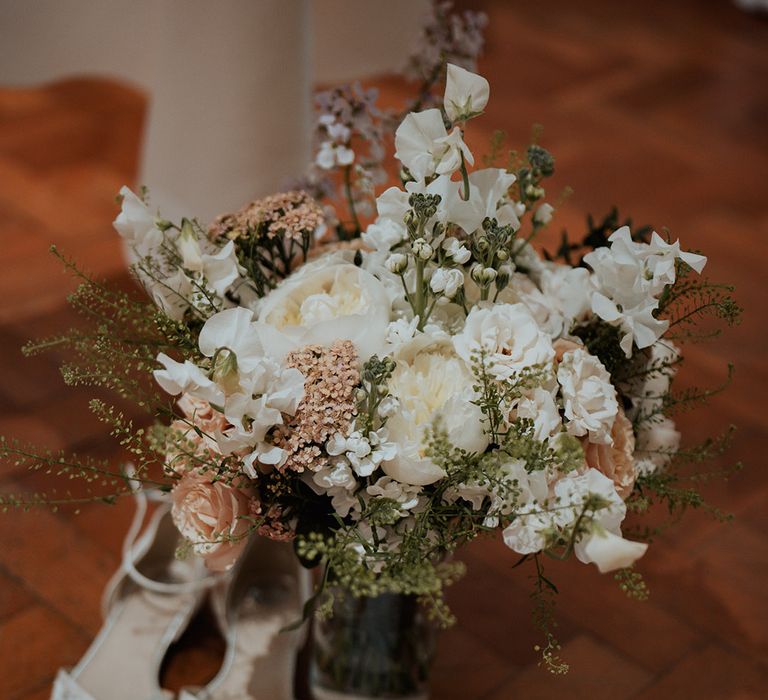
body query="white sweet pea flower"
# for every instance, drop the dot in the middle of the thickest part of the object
(187, 378)
(424, 146)
(446, 281)
(136, 224)
(488, 188)
(337, 475)
(630, 276)
(384, 234)
(234, 330)
(450, 152)
(189, 248)
(221, 269)
(466, 94)
(610, 552)
(323, 303)
(263, 454)
(510, 337)
(434, 388)
(172, 294)
(588, 395)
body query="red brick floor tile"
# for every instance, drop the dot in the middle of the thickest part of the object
(467, 667)
(33, 644)
(14, 596)
(714, 673)
(596, 673)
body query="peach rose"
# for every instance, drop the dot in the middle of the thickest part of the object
(199, 414)
(615, 461)
(211, 515)
(562, 346)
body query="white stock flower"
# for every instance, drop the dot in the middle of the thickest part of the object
(543, 214)
(456, 250)
(434, 389)
(325, 303)
(424, 146)
(404, 494)
(509, 336)
(365, 454)
(466, 94)
(446, 281)
(330, 155)
(588, 396)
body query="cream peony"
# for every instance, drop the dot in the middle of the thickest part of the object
(510, 336)
(588, 396)
(434, 389)
(212, 517)
(327, 302)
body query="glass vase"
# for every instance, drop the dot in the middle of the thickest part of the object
(379, 647)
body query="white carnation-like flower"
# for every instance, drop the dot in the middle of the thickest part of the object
(540, 407)
(434, 389)
(589, 397)
(327, 303)
(509, 336)
(384, 233)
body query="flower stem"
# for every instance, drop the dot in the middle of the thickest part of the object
(465, 180)
(350, 200)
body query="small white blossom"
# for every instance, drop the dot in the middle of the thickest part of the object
(396, 263)
(446, 281)
(422, 249)
(386, 487)
(456, 250)
(543, 214)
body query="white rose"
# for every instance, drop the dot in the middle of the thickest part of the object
(540, 407)
(434, 389)
(510, 337)
(328, 303)
(589, 397)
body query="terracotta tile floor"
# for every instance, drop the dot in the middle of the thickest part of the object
(658, 107)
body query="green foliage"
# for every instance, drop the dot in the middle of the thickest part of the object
(596, 236)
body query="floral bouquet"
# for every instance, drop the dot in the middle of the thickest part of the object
(430, 378)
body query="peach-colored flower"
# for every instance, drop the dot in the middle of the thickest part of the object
(212, 516)
(186, 443)
(615, 461)
(562, 346)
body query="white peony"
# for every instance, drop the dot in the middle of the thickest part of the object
(434, 389)
(466, 94)
(510, 337)
(326, 303)
(588, 396)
